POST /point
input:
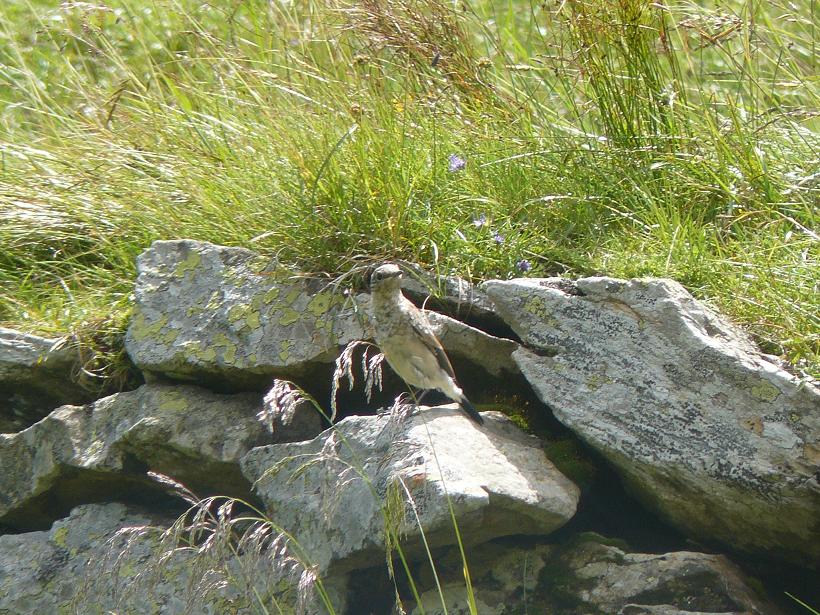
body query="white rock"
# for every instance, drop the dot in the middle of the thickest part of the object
(334, 493)
(705, 429)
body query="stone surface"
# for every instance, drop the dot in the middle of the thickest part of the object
(226, 315)
(334, 493)
(36, 376)
(457, 295)
(81, 454)
(704, 428)
(461, 341)
(589, 577)
(604, 578)
(106, 559)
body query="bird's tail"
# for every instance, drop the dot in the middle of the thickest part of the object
(470, 410)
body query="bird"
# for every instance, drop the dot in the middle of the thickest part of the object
(407, 341)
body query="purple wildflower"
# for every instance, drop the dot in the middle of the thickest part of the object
(480, 221)
(498, 237)
(457, 163)
(523, 265)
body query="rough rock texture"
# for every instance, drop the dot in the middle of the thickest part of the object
(81, 454)
(335, 492)
(206, 311)
(105, 559)
(35, 378)
(705, 429)
(587, 577)
(603, 578)
(493, 354)
(229, 316)
(456, 294)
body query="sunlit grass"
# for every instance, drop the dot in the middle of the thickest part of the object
(624, 139)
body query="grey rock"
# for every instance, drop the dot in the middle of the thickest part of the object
(705, 429)
(604, 578)
(459, 296)
(81, 454)
(226, 314)
(460, 340)
(113, 558)
(588, 576)
(36, 376)
(334, 493)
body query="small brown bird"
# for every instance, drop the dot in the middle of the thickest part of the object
(407, 341)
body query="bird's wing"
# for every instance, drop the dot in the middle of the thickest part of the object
(429, 339)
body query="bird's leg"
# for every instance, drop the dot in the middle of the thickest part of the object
(420, 396)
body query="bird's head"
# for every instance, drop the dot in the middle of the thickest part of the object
(386, 278)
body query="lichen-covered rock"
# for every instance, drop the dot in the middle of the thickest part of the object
(706, 430)
(338, 492)
(212, 312)
(81, 454)
(206, 312)
(36, 376)
(112, 559)
(585, 577)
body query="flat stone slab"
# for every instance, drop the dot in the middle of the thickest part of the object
(80, 454)
(334, 493)
(706, 430)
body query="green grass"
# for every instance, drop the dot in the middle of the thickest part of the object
(624, 138)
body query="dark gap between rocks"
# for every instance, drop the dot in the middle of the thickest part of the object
(467, 313)
(77, 486)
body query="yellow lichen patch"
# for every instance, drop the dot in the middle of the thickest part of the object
(60, 536)
(261, 264)
(141, 330)
(170, 401)
(289, 316)
(253, 320)
(271, 294)
(190, 263)
(227, 346)
(214, 301)
(237, 312)
(320, 304)
(536, 307)
(596, 381)
(208, 355)
(171, 336)
(765, 391)
(292, 296)
(284, 350)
